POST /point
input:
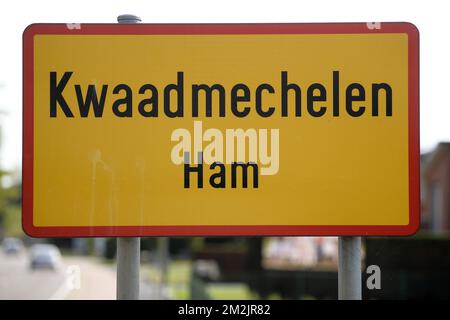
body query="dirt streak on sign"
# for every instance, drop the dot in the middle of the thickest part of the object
(264, 129)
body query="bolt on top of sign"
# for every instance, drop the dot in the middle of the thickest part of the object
(221, 129)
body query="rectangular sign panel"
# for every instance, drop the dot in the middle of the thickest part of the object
(220, 129)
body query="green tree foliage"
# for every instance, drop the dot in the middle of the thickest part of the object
(10, 209)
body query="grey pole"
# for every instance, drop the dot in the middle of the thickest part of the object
(163, 248)
(349, 279)
(128, 260)
(128, 249)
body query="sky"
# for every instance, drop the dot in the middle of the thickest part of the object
(431, 18)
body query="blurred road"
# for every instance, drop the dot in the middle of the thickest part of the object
(79, 278)
(18, 281)
(87, 278)
(98, 281)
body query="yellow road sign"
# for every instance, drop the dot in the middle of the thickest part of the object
(266, 129)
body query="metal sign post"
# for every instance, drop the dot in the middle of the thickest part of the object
(349, 279)
(163, 252)
(128, 249)
(128, 260)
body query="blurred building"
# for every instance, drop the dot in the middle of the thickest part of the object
(289, 253)
(435, 188)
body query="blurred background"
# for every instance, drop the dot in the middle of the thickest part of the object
(415, 267)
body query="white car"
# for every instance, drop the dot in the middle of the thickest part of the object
(45, 256)
(12, 246)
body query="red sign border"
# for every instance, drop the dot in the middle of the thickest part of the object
(233, 230)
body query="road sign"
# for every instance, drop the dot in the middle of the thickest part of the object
(215, 129)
